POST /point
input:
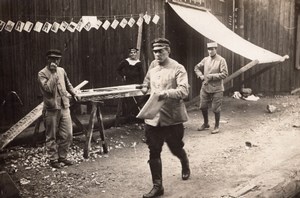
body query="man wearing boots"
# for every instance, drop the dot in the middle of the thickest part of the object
(169, 80)
(211, 70)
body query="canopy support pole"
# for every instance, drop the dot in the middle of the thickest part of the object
(241, 70)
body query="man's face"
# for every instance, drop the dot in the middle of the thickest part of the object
(53, 62)
(161, 55)
(212, 51)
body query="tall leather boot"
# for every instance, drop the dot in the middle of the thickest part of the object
(156, 172)
(205, 125)
(185, 172)
(217, 121)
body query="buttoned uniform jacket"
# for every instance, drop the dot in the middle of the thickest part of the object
(214, 71)
(173, 80)
(54, 88)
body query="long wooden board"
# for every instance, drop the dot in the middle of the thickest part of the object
(106, 93)
(26, 121)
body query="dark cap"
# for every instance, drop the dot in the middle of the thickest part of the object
(160, 43)
(54, 53)
(133, 49)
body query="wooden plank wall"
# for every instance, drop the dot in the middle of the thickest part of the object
(87, 55)
(271, 24)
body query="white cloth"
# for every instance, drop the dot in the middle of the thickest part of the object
(209, 26)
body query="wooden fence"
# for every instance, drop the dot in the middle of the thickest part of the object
(87, 55)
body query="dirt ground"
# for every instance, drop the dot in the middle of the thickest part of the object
(219, 163)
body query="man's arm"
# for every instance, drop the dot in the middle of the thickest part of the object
(198, 69)
(48, 84)
(182, 89)
(222, 74)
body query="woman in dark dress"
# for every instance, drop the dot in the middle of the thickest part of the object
(131, 72)
(131, 69)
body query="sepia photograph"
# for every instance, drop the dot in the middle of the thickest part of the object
(150, 99)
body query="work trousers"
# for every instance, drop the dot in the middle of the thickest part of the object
(215, 99)
(59, 132)
(157, 135)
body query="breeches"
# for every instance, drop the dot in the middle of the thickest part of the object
(59, 132)
(156, 136)
(215, 99)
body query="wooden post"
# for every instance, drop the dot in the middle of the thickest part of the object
(139, 43)
(298, 45)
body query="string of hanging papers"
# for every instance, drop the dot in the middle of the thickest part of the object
(85, 22)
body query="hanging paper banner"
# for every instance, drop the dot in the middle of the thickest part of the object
(139, 21)
(147, 18)
(55, 27)
(2, 25)
(131, 22)
(98, 24)
(80, 25)
(94, 21)
(72, 26)
(114, 24)
(123, 23)
(19, 26)
(63, 26)
(90, 19)
(106, 24)
(155, 19)
(28, 26)
(47, 26)
(9, 26)
(38, 26)
(86, 22)
(88, 26)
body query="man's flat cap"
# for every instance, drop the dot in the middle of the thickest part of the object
(54, 53)
(212, 45)
(160, 43)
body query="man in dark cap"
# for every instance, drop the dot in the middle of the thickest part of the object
(55, 86)
(211, 70)
(169, 79)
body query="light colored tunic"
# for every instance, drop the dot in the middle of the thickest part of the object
(173, 80)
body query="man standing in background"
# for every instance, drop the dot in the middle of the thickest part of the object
(211, 70)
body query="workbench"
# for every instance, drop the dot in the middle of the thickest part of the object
(95, 97)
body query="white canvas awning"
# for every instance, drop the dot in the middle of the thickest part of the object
(209, 26)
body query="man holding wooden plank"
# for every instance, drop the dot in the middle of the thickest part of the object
(211, 70)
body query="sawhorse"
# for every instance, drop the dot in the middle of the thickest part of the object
(95, 112)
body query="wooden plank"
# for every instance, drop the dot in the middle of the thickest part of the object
(25, 122)
(241, 70)
(298, 44)
(139, 40)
